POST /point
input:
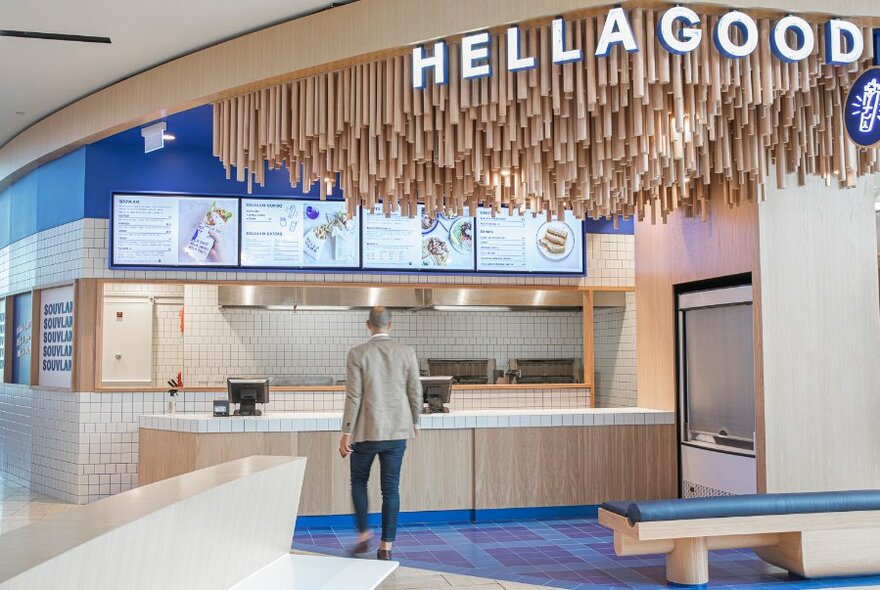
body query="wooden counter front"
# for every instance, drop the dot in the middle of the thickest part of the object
(438, 470)
(451, 469)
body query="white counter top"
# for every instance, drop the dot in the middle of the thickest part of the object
(332, 421)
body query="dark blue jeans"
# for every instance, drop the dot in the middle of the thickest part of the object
(390, 460)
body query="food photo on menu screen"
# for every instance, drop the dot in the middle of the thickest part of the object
(287, 233)
(207, 231)
(424, 242)
(514, 242)
(331, 239)
(447, 241)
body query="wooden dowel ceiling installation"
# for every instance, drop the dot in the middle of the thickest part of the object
(635, 134)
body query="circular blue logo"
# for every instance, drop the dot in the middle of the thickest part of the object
(862, 109)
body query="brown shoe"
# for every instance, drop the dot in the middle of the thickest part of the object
(383, 555)
(359, 549)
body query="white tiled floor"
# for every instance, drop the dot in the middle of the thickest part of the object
(20, 506)
(407, 578)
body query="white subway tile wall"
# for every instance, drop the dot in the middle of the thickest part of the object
(462, 399)
(83, 446)
(221, 343)
(39, 439)
(614, 335)
(48, 257)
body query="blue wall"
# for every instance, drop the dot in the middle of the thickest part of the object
(20, 349)
(50, 196)
(184, 165)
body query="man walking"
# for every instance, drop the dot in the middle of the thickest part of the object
(383, 400)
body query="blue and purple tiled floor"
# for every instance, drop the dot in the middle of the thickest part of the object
(574, 554)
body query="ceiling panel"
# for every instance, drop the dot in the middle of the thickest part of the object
(39, 76)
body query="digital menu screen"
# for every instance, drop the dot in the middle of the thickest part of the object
(286, 233)
(511, 242)
(399, 242)
(174, 231)
(181, 231)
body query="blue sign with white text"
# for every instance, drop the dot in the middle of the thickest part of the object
(21, 335)
(862, 109)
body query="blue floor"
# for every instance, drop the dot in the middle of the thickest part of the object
(575, 553)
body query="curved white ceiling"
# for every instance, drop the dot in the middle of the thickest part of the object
(38, 77)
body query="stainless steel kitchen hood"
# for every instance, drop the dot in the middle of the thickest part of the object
(305, 298)
(527, 298)
(318, 297)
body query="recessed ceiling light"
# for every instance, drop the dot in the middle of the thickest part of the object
(877, 206)
(168, 137)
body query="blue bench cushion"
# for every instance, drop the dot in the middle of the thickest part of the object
(747, 505)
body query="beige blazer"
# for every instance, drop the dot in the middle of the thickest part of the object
(383, 394)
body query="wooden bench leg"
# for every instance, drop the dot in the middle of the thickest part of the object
(688, 563)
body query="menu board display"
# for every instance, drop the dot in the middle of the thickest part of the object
(174, 231)
(399, 242)
(513, 242)
(284, 233)
(299, 233)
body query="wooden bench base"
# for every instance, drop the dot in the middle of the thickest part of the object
(820, 551)
(820, 554)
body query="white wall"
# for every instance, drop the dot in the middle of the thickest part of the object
(614, 335)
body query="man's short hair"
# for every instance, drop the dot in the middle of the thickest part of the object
(380, 318)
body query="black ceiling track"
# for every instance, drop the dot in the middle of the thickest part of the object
(54, 36)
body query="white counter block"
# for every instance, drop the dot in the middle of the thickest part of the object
(331, 421)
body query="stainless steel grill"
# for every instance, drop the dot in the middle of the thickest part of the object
(530, 371)
(464, 371)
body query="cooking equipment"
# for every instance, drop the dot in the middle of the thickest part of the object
(464, 371)
(532, 371)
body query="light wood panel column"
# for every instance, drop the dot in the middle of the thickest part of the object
(821, 338)
(36, 330)
(681, 251)
(589, 347)
(86, 328)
